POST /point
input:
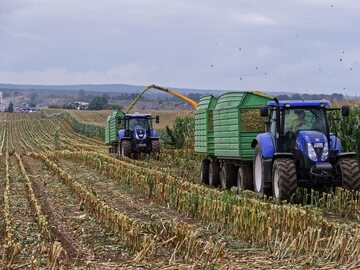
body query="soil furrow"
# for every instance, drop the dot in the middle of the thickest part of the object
(83, 238)
(24, 223)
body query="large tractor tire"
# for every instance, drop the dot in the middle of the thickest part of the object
(348, 168)
(155, 147)
(244, 178)
(214, 173)
(228, 176)
(259, 174)
(204, 171)
(284, 179)
(125, 148)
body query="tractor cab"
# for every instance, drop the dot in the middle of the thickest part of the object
(137, 135)
(299, 149)
(299, 121)
(304, 130)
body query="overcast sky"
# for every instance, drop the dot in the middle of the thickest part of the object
(309, 46)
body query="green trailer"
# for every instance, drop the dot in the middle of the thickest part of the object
(224, 130)
(112, 127)
(204, 131)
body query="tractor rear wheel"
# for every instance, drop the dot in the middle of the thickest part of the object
(228, 176)
(125, 149)
(259, 174)
(204, 171)
(348, 168)
(214, 173)
(155, 147)
(244, 178)
(284, 179)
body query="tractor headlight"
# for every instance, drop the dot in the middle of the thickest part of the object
(311, 152)
(325, 152)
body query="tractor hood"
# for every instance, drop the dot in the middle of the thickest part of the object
(140, 133)
(311, 136)
(314, 143)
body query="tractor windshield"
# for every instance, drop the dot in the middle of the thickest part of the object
(138, 123)
(305, 119)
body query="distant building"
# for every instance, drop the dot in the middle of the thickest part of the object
(79, 105)
(2, 107)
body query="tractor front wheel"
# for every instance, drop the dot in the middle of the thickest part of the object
(284, 179)
(348, 168)
(155, 147)
(125, 148)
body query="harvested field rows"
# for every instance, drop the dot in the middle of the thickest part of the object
(66, 203)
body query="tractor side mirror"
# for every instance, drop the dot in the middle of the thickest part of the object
(157, 119)
(264, 112)
(345, 110)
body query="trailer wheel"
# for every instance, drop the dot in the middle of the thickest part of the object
(125, 149)
(349, 171)
(214, 173)
(155, 147)
(244, 178)
(204, 171)
(115, 149)
(284, 179)
(259, 173)
(227, 176)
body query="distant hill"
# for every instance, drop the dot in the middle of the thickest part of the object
(111, 88)
(106, 88)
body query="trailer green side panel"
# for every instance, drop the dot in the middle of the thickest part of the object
(112, 127)
(204, 133)
(237, 121)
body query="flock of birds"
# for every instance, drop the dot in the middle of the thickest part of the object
(265, 73)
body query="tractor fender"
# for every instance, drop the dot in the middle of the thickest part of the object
(122, 135)
(335, 143)
(153, 134)
(346, 155)
(266, 143)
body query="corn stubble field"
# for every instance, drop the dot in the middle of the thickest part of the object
(66, 203)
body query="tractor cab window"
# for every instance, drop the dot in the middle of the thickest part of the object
(305, 119)
(138, 123)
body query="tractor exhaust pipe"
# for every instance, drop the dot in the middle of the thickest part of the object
(279, 141)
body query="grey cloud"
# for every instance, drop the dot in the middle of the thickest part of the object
(176, 42)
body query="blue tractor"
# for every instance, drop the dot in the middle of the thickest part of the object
(129, 135)
(299, 150)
